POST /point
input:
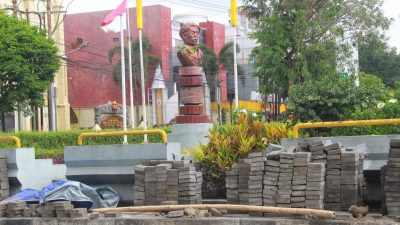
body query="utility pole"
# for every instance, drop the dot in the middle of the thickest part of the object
(51, 93)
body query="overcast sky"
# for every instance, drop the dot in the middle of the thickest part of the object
(217, 11)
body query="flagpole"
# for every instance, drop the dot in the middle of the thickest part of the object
(123, 80)
(139, 24)
(235, 75)
(142, 85)
(130, 69)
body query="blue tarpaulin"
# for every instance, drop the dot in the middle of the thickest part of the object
(79, 194)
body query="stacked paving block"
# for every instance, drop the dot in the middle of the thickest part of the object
(270, 181)
(257, 166)
(231, 185)
(161, 183)
(299, 181)
(62, 209)
(3, 209)
(161, 180)
(150, 181)
(362, 181)
(187, 185)
(333, 173)
(31, 211)
(318, 154)
(283, 198)
(383, 194)
(315, 185)
(392, 179)
(191, 96)
(243, 181)
(172, 184)
(138, 187)
(15, 209)
(78, 213)
(48, 210)
(349, 178)
(4, 185)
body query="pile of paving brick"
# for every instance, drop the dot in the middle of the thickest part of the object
(58, 209)
(313, 175)
(159, 181)
(4, 185)
(392, 180)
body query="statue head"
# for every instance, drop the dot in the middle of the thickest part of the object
(189, 33)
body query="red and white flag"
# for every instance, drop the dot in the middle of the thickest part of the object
(110, 23)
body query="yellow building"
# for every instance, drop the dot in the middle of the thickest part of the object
(34, 11)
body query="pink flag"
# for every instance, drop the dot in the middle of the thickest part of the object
(107, 24)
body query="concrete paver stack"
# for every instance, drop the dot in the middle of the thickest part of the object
(333, 172)
(270, 181)
(285, 180)
(243, 181)
(4, 185)
(349, 192)
(159, 181)
(299, 181)
(257, 166)
(315, 186)
(392, 179)
(231, 185)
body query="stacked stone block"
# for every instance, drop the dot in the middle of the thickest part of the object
(318, 154)
(299, 181)
(191, 95)
(257, 164)
(31, 211)
(283, 198)
(315, 186)
(349, 178)
(78, 213)
(15, 209)
(172, 184)
(161, 183)
(333, 173)
(162, 180)
(187, 185)
(231, 185)
(150, 181)
(362, 182)
(138, 186)
(383, 194)
(62, 208)
(270, 182)
(243, 181)
(392, 179)
(4, 185)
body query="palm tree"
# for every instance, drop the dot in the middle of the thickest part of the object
(147, 60)
(213, 64)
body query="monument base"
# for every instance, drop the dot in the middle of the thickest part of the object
(190, 135)
(183, 119)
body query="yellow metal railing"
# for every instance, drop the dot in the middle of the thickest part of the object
(12, 138)
(343, 124)
(121, 133)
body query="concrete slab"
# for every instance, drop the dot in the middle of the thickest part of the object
(24, 171)
(190, 135)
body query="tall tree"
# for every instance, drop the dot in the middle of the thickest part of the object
(297, 38)
(147, 60)
(28, 62)
(377, 58)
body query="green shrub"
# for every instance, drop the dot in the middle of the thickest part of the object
(49, 144)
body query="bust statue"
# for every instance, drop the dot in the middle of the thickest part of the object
(190, 54)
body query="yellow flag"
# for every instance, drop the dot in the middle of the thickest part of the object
(233, 13)
(139, 14)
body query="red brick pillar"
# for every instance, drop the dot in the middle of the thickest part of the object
(191, 95)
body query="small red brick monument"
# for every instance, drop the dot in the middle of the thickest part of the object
(191, 91)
